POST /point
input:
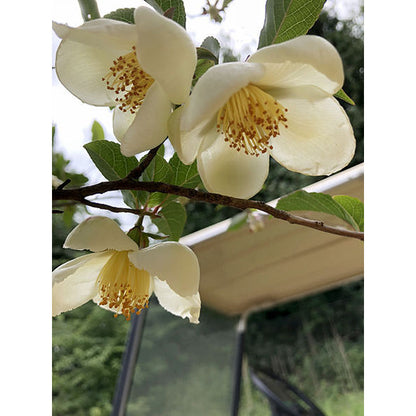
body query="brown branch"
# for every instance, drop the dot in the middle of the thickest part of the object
(137, 172)
(110, 207)
(129, 184)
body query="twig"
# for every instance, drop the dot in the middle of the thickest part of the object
(137, 172)
(217, 199)
(116, 209)
(63, 184)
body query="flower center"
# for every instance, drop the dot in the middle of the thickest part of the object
(249, 119)
(123, 287)
(128, 80)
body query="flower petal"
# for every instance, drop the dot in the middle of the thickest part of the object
(99, 234)
(112, 35)
(74, 282)
(229, 172)
(186, 144)
(305, 60)
(214, 88)
(184, 306)
(149, 127)
(319, 139)
(85, 55)
(122, 120)
(166, 52)
(172, 262)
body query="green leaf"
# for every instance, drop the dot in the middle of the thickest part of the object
(158, 170)
(123, 15)
(97, 131)
(184, 175)
(161, 6)
(202, 66)
(341, 94)
(172, 220)
(304, 201)
(211, 44)
(354, 207)
(287, 19)
(113, 165)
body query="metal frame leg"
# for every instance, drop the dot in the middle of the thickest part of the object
(238, 362)
(128, 364)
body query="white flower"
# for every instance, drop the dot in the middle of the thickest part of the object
(120, 277)
(140, 69)
(278, 103)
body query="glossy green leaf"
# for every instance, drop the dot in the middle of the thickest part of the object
(318, 202)
(123, 15)
(172, 220)
(113, 165)
(354, 207)
(342, 95)
(97, 131)
(287, 19)
(162, 6)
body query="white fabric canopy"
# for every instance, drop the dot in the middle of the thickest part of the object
(242, 271)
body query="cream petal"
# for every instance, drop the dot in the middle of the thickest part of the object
(85, 55)
(150, 126)
(166, 52)
(99, 234)
(112, 35)
(74, 283)
(186, 144)
(184, 306)
(305, 60)
(122, 120)
(172, 262)
(214, 88)
(319, 139)
(226, 171)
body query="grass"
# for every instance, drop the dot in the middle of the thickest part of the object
(348, 404)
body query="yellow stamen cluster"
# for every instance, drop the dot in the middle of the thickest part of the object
(249, 119)
(128, 80)
(122, 287)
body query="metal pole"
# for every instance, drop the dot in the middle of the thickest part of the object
(238, 363)
(128, 364)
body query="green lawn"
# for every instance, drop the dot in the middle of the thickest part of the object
(348, 404)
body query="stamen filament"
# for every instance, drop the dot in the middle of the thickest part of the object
(123, 287)
(249, 119)
(128, 80)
